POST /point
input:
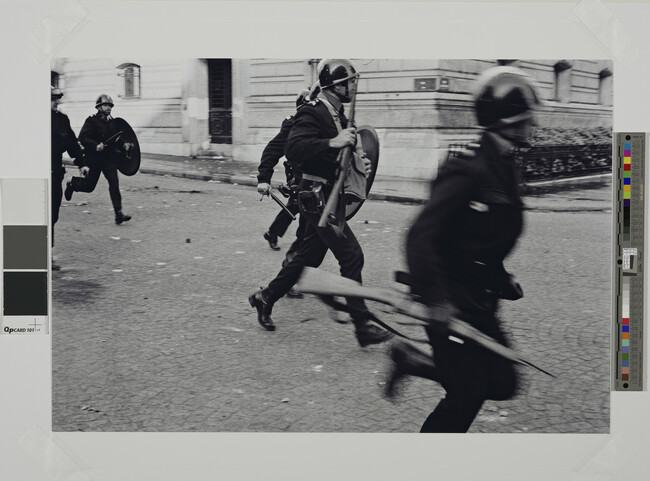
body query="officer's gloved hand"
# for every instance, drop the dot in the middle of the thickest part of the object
(442, 312)
(345, 137)
(100, 147)
(263, 188)
(84, 171)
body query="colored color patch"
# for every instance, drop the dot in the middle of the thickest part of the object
(627, 160)
(627, 145)
(627, 181)
(625, 363)
(627, 152)
(25, 247)
(25, 294)
(626, 321)
(626, 195)
(625, 342)
(627, 167)
(627, 188)
(627, 175)
(625, 357)
(625, 377)
(626, 202)
(626, 328)
(625, 335)
(625, 349)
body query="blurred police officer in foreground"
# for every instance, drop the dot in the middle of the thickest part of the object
(319, 131)
(95, 136)
(63, 140)
(455, 252)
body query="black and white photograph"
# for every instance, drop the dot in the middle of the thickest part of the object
(321, 240)
(465, 205)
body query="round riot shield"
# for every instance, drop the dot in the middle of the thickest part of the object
(370, 143)
(124, 146)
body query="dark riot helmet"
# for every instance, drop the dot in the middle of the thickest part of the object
(504, 96)
(104, 99)
(55, 93)
(335, 71)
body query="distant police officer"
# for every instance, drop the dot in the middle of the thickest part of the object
(98, 141)
(456, 248)
(63, 140)
(271, 155)
(313, 147)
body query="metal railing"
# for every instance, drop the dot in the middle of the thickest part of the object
(566, 160)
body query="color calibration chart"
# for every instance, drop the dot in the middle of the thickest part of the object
(25, 260)
(629, 178)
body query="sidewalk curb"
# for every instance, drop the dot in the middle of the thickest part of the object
(248, 180)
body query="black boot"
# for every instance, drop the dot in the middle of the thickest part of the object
(260, 302)
(272, 239)
(68, 191)
(369, 334)
(120, 217)
(407, 360)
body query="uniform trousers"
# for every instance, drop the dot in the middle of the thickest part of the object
(470, 375)
(88, 184)
(282, 221)
(315, 243)
(57, 196)
(295, 245)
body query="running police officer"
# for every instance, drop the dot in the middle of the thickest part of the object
(455, 252)
(271, 155)
(63, 140)
(96, 137)
(312, 148)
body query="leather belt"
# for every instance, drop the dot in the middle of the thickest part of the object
(314, 178)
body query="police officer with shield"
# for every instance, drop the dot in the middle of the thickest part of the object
(103, 146)
(319, 131)
(63, 140)
(455, 252)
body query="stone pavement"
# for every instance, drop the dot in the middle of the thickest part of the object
(546, 195)
(152, 329)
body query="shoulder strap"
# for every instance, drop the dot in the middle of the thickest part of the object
(333, 112)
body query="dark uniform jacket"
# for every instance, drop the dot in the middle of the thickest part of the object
(456, 247)
(273, 151)
(63, 139)
(95, 130)
(308, 147)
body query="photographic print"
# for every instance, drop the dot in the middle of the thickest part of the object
(464, 286)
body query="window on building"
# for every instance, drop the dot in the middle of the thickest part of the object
(129, 74)
(562, 81)
(605, 87)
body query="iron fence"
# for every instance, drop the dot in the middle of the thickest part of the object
(566, 160)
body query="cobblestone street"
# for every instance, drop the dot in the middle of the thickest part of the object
(152, 330)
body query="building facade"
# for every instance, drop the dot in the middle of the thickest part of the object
(233, 107)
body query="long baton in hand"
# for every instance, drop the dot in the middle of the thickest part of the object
(112, 137)
(280, 203)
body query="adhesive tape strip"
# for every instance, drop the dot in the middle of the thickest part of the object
(51, 456)
(605, 463)
(609, 30)
(54, 28)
